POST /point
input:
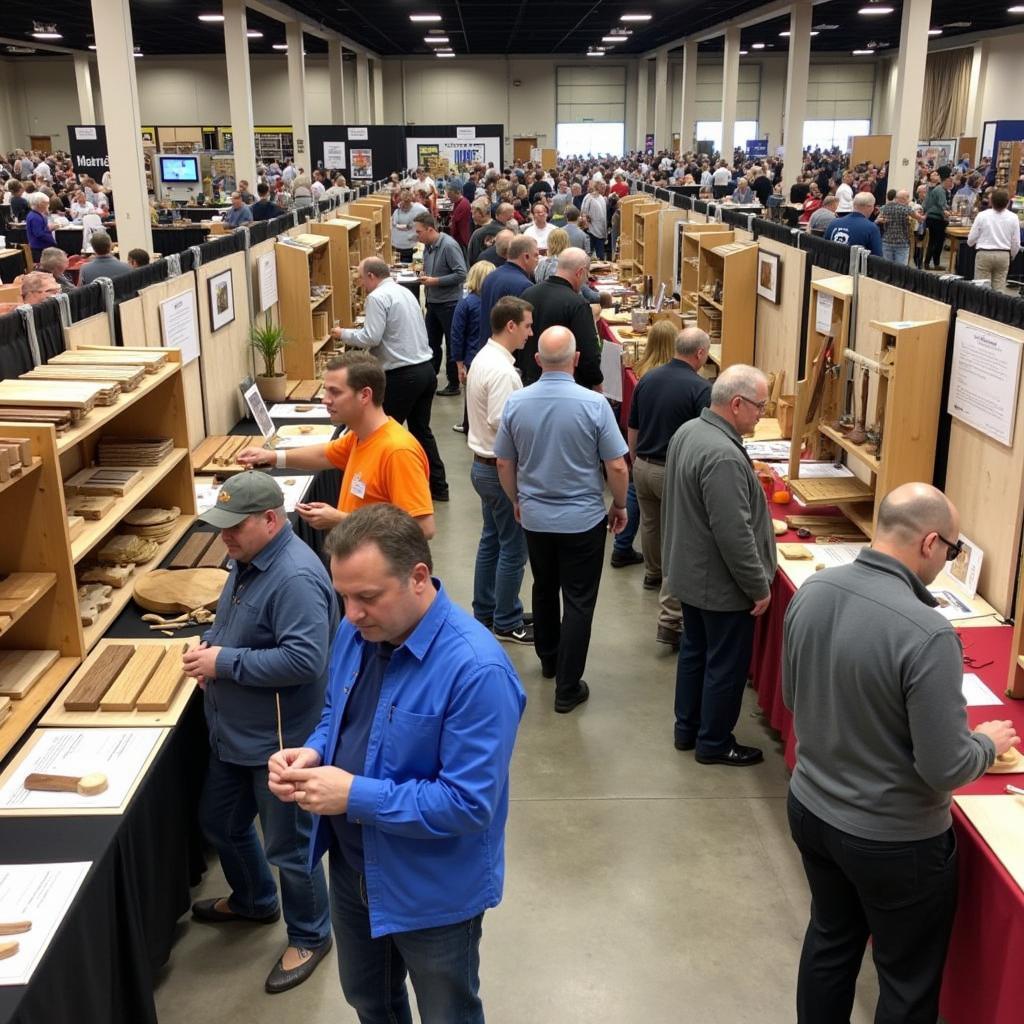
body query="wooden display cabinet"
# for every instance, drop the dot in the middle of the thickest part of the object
(664, 266)
(631, 241)
(689, 258)
(373, 213)
(876, 410)
(1009, 157)
(383, 201)
(302, 263)
(726, 299)
(366, 247)
(343, 234)
(35, 538)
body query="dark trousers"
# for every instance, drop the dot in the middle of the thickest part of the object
(720, 191)
(439, 333)
(566, 571)
(710, 676)
(408, 397)
(902, 894)
(936, 240)
(597, 246)
(443, 962)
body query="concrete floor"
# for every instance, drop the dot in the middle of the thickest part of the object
(641, 888)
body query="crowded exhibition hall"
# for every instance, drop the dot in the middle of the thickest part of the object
(511, 512)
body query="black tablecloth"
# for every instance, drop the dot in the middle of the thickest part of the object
(11, 266)
(965, 255)
(101, 966)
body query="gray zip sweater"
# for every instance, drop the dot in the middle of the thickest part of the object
(873, 676)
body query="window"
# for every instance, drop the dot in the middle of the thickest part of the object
(592, 138)
(826, 134)
(713, 130)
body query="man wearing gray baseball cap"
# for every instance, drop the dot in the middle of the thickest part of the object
(263, 666)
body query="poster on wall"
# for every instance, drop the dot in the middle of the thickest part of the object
(222, 300)
(649, 142)
(757, 148)
(88, 144)
(457, 152)
(937, 153)
(179, 326)
(361, 167)
(358, 134)
(334, 155)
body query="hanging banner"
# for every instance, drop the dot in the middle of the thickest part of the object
(757, 148)
(88, 145)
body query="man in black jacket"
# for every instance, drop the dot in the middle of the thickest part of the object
(557, 302)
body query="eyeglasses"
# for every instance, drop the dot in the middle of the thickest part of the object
(760, 406)
(952, 550)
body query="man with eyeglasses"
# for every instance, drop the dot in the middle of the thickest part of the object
(873, 675)
(719, 558)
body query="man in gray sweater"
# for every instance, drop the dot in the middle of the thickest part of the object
(719, 559)
(873, 675)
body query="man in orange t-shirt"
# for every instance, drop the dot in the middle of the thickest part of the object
(381, 461)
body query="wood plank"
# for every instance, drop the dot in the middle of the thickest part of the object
(131, 680)
(150, 361)
(97, 680)
(21, 587)
(46, 394)
(21, 670)
(160, 691)
(192, 550)
(216, 554)
(92, 507)
(206, 450)
(103, 480)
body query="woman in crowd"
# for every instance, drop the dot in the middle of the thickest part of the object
(466, 327)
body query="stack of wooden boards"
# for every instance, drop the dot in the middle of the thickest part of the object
(21, 670)
(44, 401)
(102, 481)
(15, 457)
(133, 451)
(104, 356)
(113, 378)
(126, 677)
(218, 454)
(203, 550)
(19, 591)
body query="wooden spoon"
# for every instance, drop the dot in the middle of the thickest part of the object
(84, 785)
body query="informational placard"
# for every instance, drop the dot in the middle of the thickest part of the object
(823, 313)
(965, 569)
(258, 408)
(358, 134)
(179, 325)
(611, 368)
(88, 145)
(984, 380)
(266, 273)
(457, 151)
(465, 133)
(38, 894)
(334, 154)
(362, 164)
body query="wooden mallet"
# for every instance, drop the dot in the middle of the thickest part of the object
(84, 785)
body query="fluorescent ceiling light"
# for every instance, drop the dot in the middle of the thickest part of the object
(613, 39)
(935, 31)
(784, 33)
(594, 53)
(875, 9)
(253, 34)
(743, 53)
(635, 17)
(436, 39)
(47, 35)
(92, 46)
(424, 17)
(1015, 10)
(446, 55)
(862, 53)
(757, 46)
(211, 17)
(280, 46)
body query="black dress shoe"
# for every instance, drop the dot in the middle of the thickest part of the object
(621, 559)
(737, 755)
(682, 744)
(548, 669)
(280, 980)
(206, 911)
(563, 707)
(651, 582)
(450, 391)
(440, 495)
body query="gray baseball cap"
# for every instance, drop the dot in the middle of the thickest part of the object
(241, 496)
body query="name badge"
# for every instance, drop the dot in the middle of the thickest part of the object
(358, 487)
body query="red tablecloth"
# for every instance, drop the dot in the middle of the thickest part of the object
(984, 983)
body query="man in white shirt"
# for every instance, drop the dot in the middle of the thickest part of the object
(42, 170)
(995, 235)
(721, 180)
(595, 209)
(844, 196)
(540, 228)
(501, 555)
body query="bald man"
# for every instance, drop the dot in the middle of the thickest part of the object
(873, 675)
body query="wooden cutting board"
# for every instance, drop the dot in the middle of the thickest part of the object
(21, 670)
(179, 590)
(115, 357)
(46, 393)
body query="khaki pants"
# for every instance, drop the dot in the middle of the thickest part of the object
(992, 265)
(649, 481)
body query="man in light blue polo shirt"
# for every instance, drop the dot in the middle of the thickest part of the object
(554, 437)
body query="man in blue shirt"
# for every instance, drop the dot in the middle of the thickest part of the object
(513, 277)
(239, 213)
(263, 667)
(408, 774)
(553, 439)
(855, 228)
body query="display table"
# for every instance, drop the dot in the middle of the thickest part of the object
(982, 981)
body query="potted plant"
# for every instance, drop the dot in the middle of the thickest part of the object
(268, 340)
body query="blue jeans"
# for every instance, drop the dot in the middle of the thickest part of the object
(623, 542)
(443, 963)
(897, 253)
(597, 246)
(232, 797)
(500, 556)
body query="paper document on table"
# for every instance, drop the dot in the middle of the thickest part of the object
(821, 470)
(833, 555)
(294, 488)
(120, 754)
(302, 411)
(976, 693)
(40, 894)
(768, 451)
(950, 605)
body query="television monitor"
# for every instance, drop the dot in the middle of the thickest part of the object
(179, 169)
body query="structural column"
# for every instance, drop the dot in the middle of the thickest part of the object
(643, 74)
(336, 80)
(973, 124)
(297, 95)
(236, 53)
(797, 72)
(378, 92)
(910, 66)
(112, 25)
(730, 90)
(362, 88)
(688, 104)
(662, 134)
(83, 80)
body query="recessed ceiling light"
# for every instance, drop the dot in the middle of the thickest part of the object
(935, 31)
(253, 34)
(613, 39)
(444, 49)
(211, 17)
(446, 55)
(826, 28)
(757, 46)
(783, 33)
(635, 17)
(138, 53)
(280, 46)
(594, 53)
(47, 35)
(743, 53)
(862, 53)
(436, 39)
(424, 17)
(1015, 10)
(875, 9)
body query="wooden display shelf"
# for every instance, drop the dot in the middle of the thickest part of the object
(862, 516)
(318, 345)
(120, 597)
(858, 451)
(715, 354)
(96, 530)
(733, 265)
(24, 712)
(299, 268)
(26, 471)
(27, 606)
(710, 301)
(318, 300)
(831, 490)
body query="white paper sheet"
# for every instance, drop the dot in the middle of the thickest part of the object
(294, 487)
(179, 325)
(822, 470)
(835, 554)
(768, 451)
(267, 275)
(823, 313)
(117, 753)
(286, 411)
(951, 605)
(976, 693)
(40, 893)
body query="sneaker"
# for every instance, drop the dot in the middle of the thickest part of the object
(520, 635)
(458, 428)
(620, 559)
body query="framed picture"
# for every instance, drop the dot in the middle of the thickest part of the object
(768, 275)
(222, 300)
